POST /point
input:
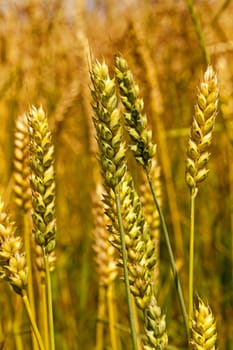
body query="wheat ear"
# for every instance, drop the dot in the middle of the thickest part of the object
(155, 327)
(202, 130)
(203, 331)
(22, 187)
(141, 136)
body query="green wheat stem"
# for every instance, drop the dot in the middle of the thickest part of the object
(126, 273)
(170, 253)
(49, 300)
(191, 254)
(198, 31)
(44, 315)
(32, 320)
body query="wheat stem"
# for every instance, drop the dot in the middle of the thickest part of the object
(170, 253)
(191, 255)
(198, 30)
(32, 320)
(44, 314)
(17, 324)
(49, 300)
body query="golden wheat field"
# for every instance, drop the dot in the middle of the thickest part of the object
(116, 174)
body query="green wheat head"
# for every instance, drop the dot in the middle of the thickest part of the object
(42, 179)
(136, 120)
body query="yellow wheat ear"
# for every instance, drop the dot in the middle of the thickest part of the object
(12, 257)
(21, 169)
(203, 331)
(202, 130)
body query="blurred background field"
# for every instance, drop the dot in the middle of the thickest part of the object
(44, 47)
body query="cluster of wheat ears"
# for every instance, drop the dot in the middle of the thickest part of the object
(127, 221)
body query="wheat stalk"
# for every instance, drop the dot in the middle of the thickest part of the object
(152, 215)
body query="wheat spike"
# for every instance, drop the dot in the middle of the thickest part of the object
(42, 179)
(203, 331)
(13, 267)
(155, 327)
(141, 137)
(201, 130)
(22, 187)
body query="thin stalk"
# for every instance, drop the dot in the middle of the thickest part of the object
(44, 315)
(199, 33)
(115, 343)
(27, 245)
(100, 319)
(191, 255)
(170, 253)
(17, 324)
(126, 273)
(137, 324)
(32, 320)
(49, 301)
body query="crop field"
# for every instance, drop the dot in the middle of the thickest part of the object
(116, 175)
